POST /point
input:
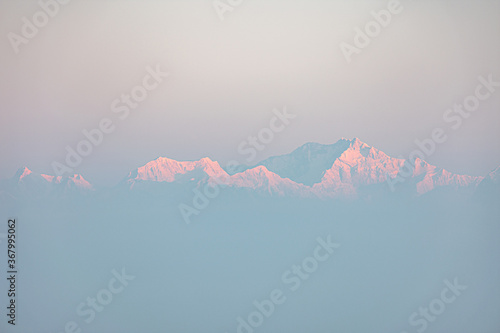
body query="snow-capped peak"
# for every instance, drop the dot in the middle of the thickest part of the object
(357, 143)
(164, 169)
(345, 168)
(78, 180)
(28, 180)
(259, 170)
(260, 178)
(22, 172)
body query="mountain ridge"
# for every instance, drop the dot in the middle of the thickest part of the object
(339, 170)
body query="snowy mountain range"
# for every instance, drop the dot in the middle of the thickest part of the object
(345, 169)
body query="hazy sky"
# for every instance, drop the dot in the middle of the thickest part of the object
(226, 76)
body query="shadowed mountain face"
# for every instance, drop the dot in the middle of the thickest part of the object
(347, 169)
(308, 163)
(489, 189)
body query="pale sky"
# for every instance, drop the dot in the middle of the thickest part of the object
(227, 76)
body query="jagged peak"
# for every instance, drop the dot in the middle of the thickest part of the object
(22, 172)
(358, 144)
(344, 162)
(166, 169)
(25, 175)
(166, 160)
(206, 160)
(161, 160)
(258, 169)
(346, 140)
